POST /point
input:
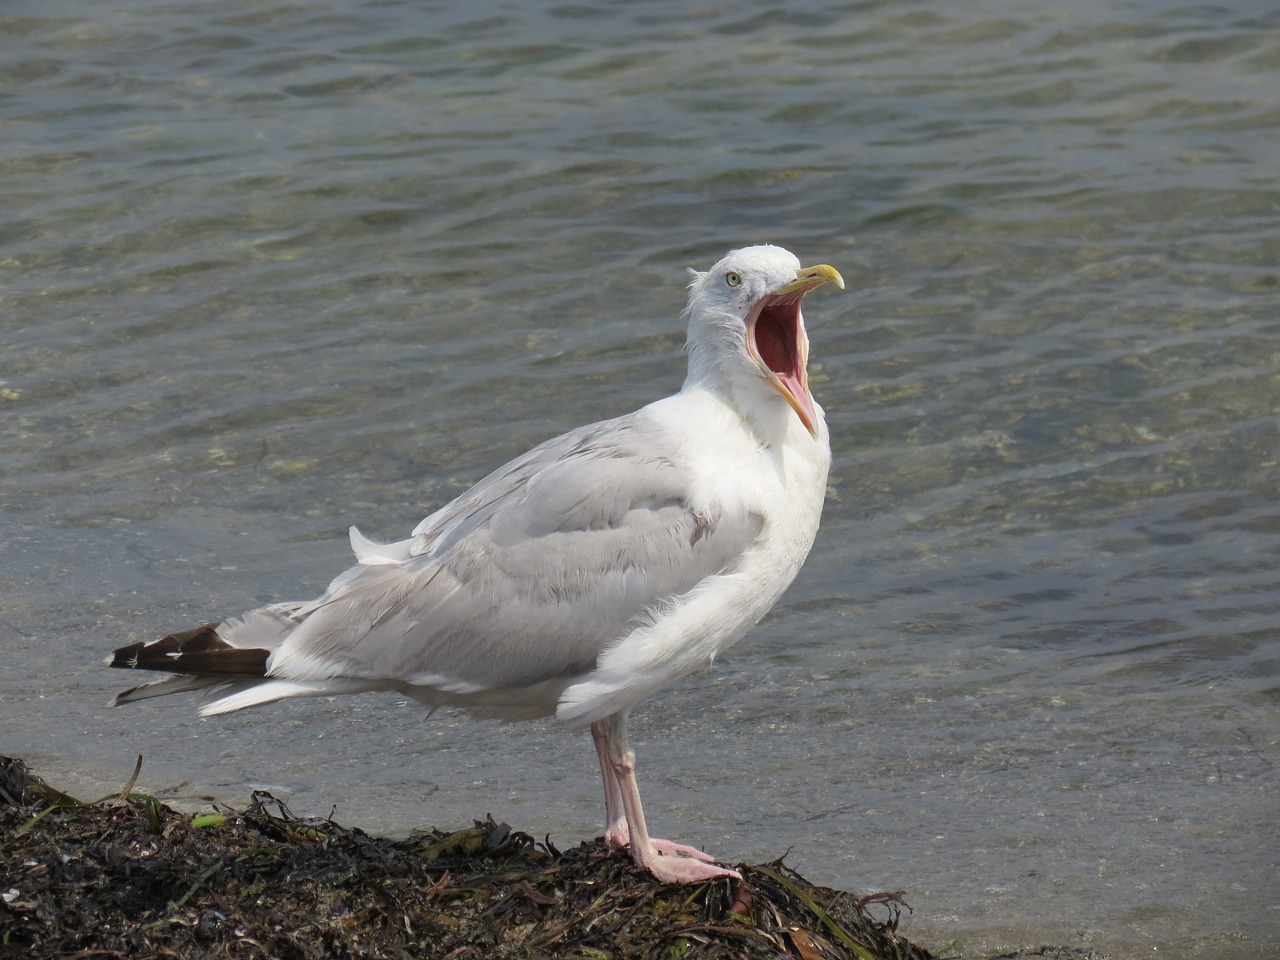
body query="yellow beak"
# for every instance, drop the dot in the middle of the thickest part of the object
(808, 278)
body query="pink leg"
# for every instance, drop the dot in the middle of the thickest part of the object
(616, 833)
(615, 823)
(668, 862)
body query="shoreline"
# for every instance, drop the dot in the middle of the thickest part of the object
(127, 875)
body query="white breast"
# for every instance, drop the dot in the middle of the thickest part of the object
(785, 483)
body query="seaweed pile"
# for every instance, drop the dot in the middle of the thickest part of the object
(126, 876)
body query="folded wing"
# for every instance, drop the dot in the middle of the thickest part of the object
(521, 582)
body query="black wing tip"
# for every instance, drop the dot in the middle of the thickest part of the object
(198, 651)
(126, 657)
(160, 654)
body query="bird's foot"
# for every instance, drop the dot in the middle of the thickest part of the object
(619, 837)
(668, 849)
(684, 869)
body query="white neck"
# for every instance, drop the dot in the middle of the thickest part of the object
(749, 396)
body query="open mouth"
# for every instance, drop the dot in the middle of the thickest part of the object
(776, 340)
(777, 343)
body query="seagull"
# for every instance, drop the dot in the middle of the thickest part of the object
(582, 576)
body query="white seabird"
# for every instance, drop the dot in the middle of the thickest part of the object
(582, 576)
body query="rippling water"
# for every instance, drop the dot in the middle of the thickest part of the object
(271, 269)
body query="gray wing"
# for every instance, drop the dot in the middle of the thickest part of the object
(526, 577)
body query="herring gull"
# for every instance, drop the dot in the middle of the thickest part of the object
(585, 574)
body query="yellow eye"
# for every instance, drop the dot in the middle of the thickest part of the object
(733, 278)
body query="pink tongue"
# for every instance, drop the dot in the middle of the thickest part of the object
(798, 391)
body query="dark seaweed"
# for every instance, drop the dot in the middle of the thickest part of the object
(127, 876)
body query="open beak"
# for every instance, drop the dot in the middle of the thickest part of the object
(778, 344)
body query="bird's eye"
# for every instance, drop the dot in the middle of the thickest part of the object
(733, 278)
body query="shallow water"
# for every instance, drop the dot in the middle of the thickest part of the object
(269, 270)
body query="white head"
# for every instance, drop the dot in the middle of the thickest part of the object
(746, 330)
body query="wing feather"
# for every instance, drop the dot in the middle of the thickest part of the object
(529, 576)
